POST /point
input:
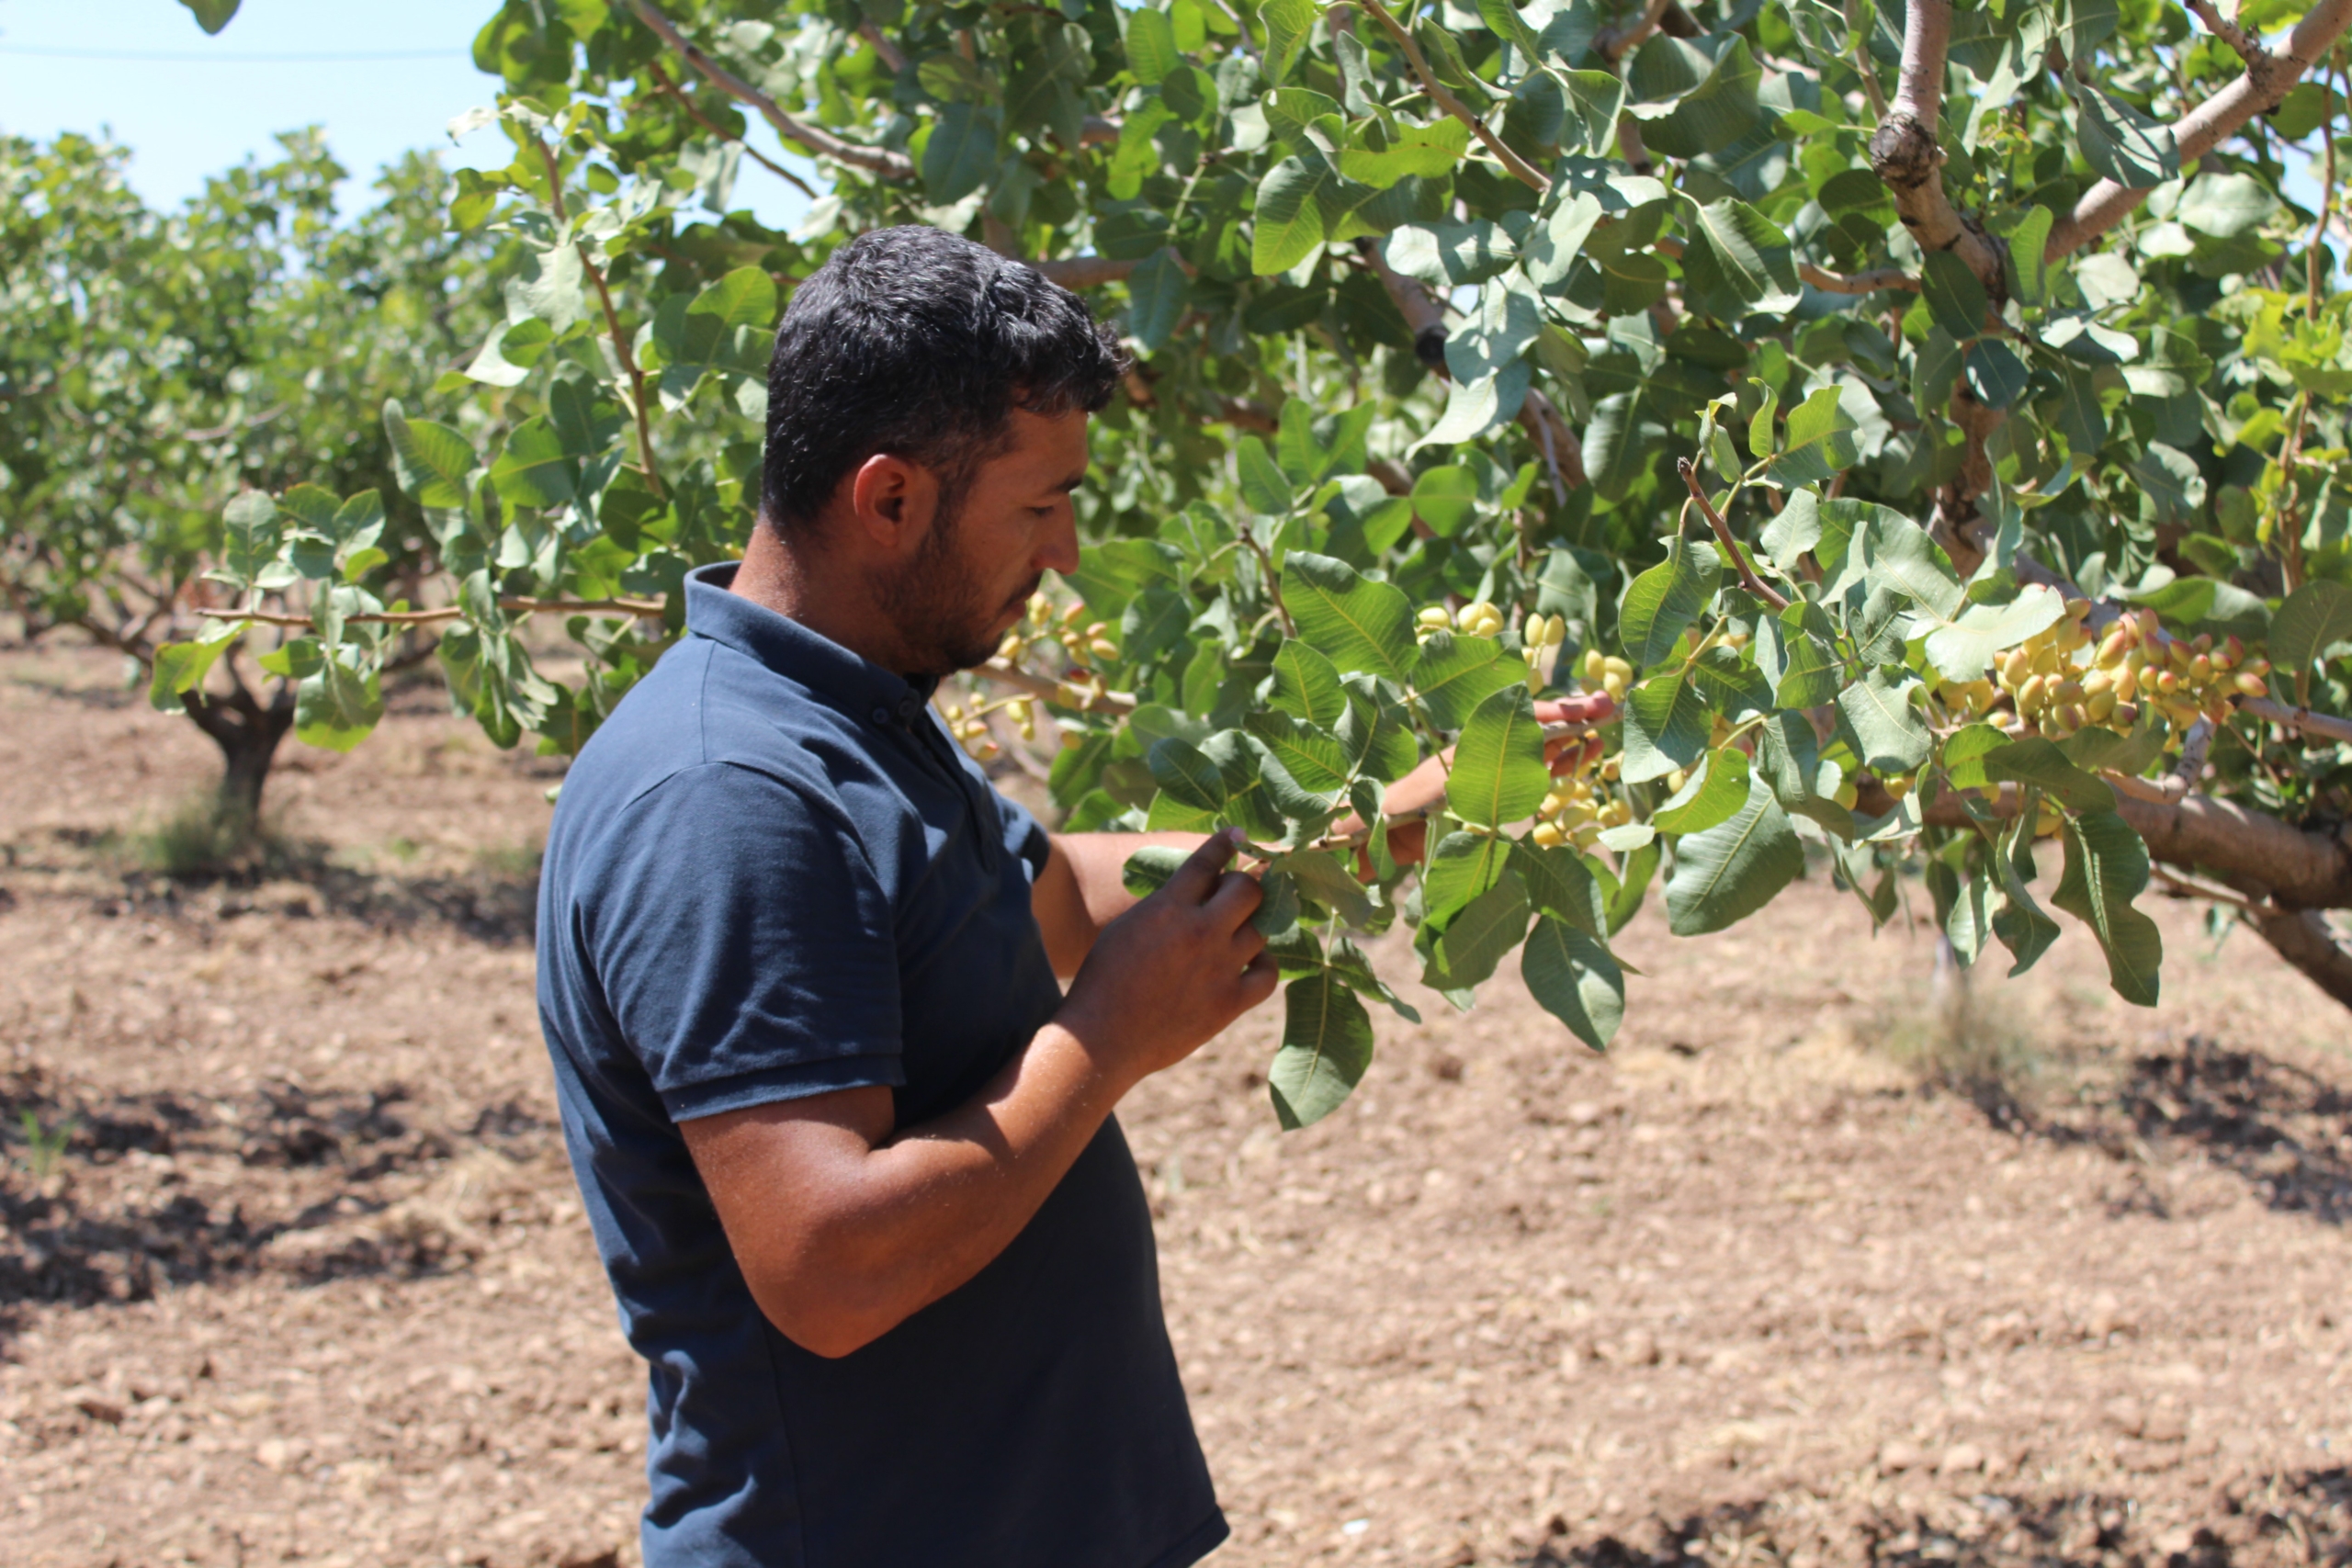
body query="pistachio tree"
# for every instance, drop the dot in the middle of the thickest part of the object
(1927, 424)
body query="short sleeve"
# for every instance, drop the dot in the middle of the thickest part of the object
(743, 944)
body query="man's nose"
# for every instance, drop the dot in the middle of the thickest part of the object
(1060, 549)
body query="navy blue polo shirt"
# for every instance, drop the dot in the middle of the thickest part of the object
(772, 873)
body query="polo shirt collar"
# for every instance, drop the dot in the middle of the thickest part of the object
(857, 686)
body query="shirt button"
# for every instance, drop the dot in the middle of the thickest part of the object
(881, 715)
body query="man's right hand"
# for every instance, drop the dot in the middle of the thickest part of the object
(1174, 970)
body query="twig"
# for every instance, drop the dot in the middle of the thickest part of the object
(824, 144)
(662, 80)
(2304, 719)
(890, 53)
(1050, 691)
(2263, 88)
(621, 349)
(2326, 199)
(234, 425)
(1442, 96)
(1753, 583)
(644, 609)
(1614, 46)
(2228, 31)
(2192, 888)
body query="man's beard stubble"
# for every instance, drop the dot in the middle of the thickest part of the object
(934, 603)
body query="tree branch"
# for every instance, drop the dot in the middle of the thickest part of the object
(621, 350)
(824, 144)
(1748, 579)
(1614, 46)
(2303, 939)
(644, 609)
(2302, 720)
(889, 54)
(2249, 49)
(662, 80)
(1442, 96)
(1906, 152)
(1085, 272)
(2262, 88)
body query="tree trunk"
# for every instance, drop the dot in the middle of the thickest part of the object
(248, 733)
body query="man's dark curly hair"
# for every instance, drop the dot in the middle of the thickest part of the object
(922, 344)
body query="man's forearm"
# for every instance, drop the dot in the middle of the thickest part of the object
(902, 1217)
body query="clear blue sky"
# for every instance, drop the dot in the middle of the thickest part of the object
(64, 65)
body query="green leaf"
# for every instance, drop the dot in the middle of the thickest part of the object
(1445, 497)
(1320, 876)
(1964, 751)
(1736, 251)
(251, 536)
(1964, 650)
(1289, 221)
(1278, 904)
(1151, 45)
(1954, 296)
(1263, 488)
(1476, 937)
(1890, 734)
(1730, 685)
(1312, 758)
(1325, 1049)
(180, 667)
(2107, 867)
(744, 298)
(534, 470)
(1455, 674)
(1502, 18)
(1462, 866)
(335, 707)
(1665, 600)
(432, 460)
(1712, 116)
(2314, 618)
(2225, 206)
(1561, 883)
(2038, 762)
(1596, 98)
(1666, 724)
(1187, 776)
(1498, 773)
(2122, 143)
(2029, 275)
(1729, 871)
(1287, 23)
(1306, 684)
(1997, 376)
(1347, 962)
(1429, 151)
(1158, 294)
(211, 14)
(1820, 442)
(2017, 922)
(961, 152)
(1148, 870)
(1711, 795)
(1811, 672)
(2079, 416)
(1574, 978)
(1360, 623)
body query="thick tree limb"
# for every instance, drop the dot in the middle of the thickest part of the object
(2301, 869)
(1906, 152)
(2303, 939)
(2269, 74)
(824, 144)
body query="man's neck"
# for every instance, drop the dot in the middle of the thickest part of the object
(807, 586)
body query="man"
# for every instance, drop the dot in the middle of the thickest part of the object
(846, 1144)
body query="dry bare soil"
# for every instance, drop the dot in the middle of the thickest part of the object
(309, 1281)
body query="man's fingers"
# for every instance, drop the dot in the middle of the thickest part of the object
(1259, 979)
(1248, 942)
(1198, 875)
(1237, 898)
(1592, 707)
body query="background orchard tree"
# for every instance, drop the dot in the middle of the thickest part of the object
(153, 366)
(1929, 421)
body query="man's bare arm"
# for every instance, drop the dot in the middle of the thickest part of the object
(845, 1225)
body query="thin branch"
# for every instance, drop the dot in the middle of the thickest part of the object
(1442, 96)
(2249, 49)
(2190, 887)
(2263, 88)
(1085, 272)
(644, 609)
(1048, 689)
(2311, 265)
(1614, 46)
(1753, 583)
(662, 80)
(234, 425)
(890, 53)
(2302, 720)
(621, 350)
(824, 144)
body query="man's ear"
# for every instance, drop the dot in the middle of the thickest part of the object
(892, 501)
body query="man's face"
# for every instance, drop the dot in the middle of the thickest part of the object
(971, 578)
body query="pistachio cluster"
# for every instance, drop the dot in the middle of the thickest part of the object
(1081, 641)
(1581, 804)
(1536, 635)
(1477, 618)
(1606, 673)
(2068, 678)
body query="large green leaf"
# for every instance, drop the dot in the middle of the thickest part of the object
(1667, 723)
(1462, 866)
(2314, 618)
(1665, 600)
(1964, 650)
(1151, 45)
(1739, 252)
(2122, 143)
(1306, 684)
(2038, 762)
(2107, 867)
(1289, 221)
(1326, 1048)
(744, 298)
(1820, 441)
(534, 470)
(1562, 884)
(1954, 297)
(1499, 774)
(1573, 976)
(1476, 937)
(1455, 674)
(1711, 794)
(1712, 116)
(1311, 756)
(1158, 293)
(1360, 623)
(1729, 871)
(431, 459)
(2017, 922)
(1890, 733)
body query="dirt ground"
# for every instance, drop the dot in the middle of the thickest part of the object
(309, 1281)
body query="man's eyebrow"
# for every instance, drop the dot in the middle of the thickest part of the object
(1071, 483)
